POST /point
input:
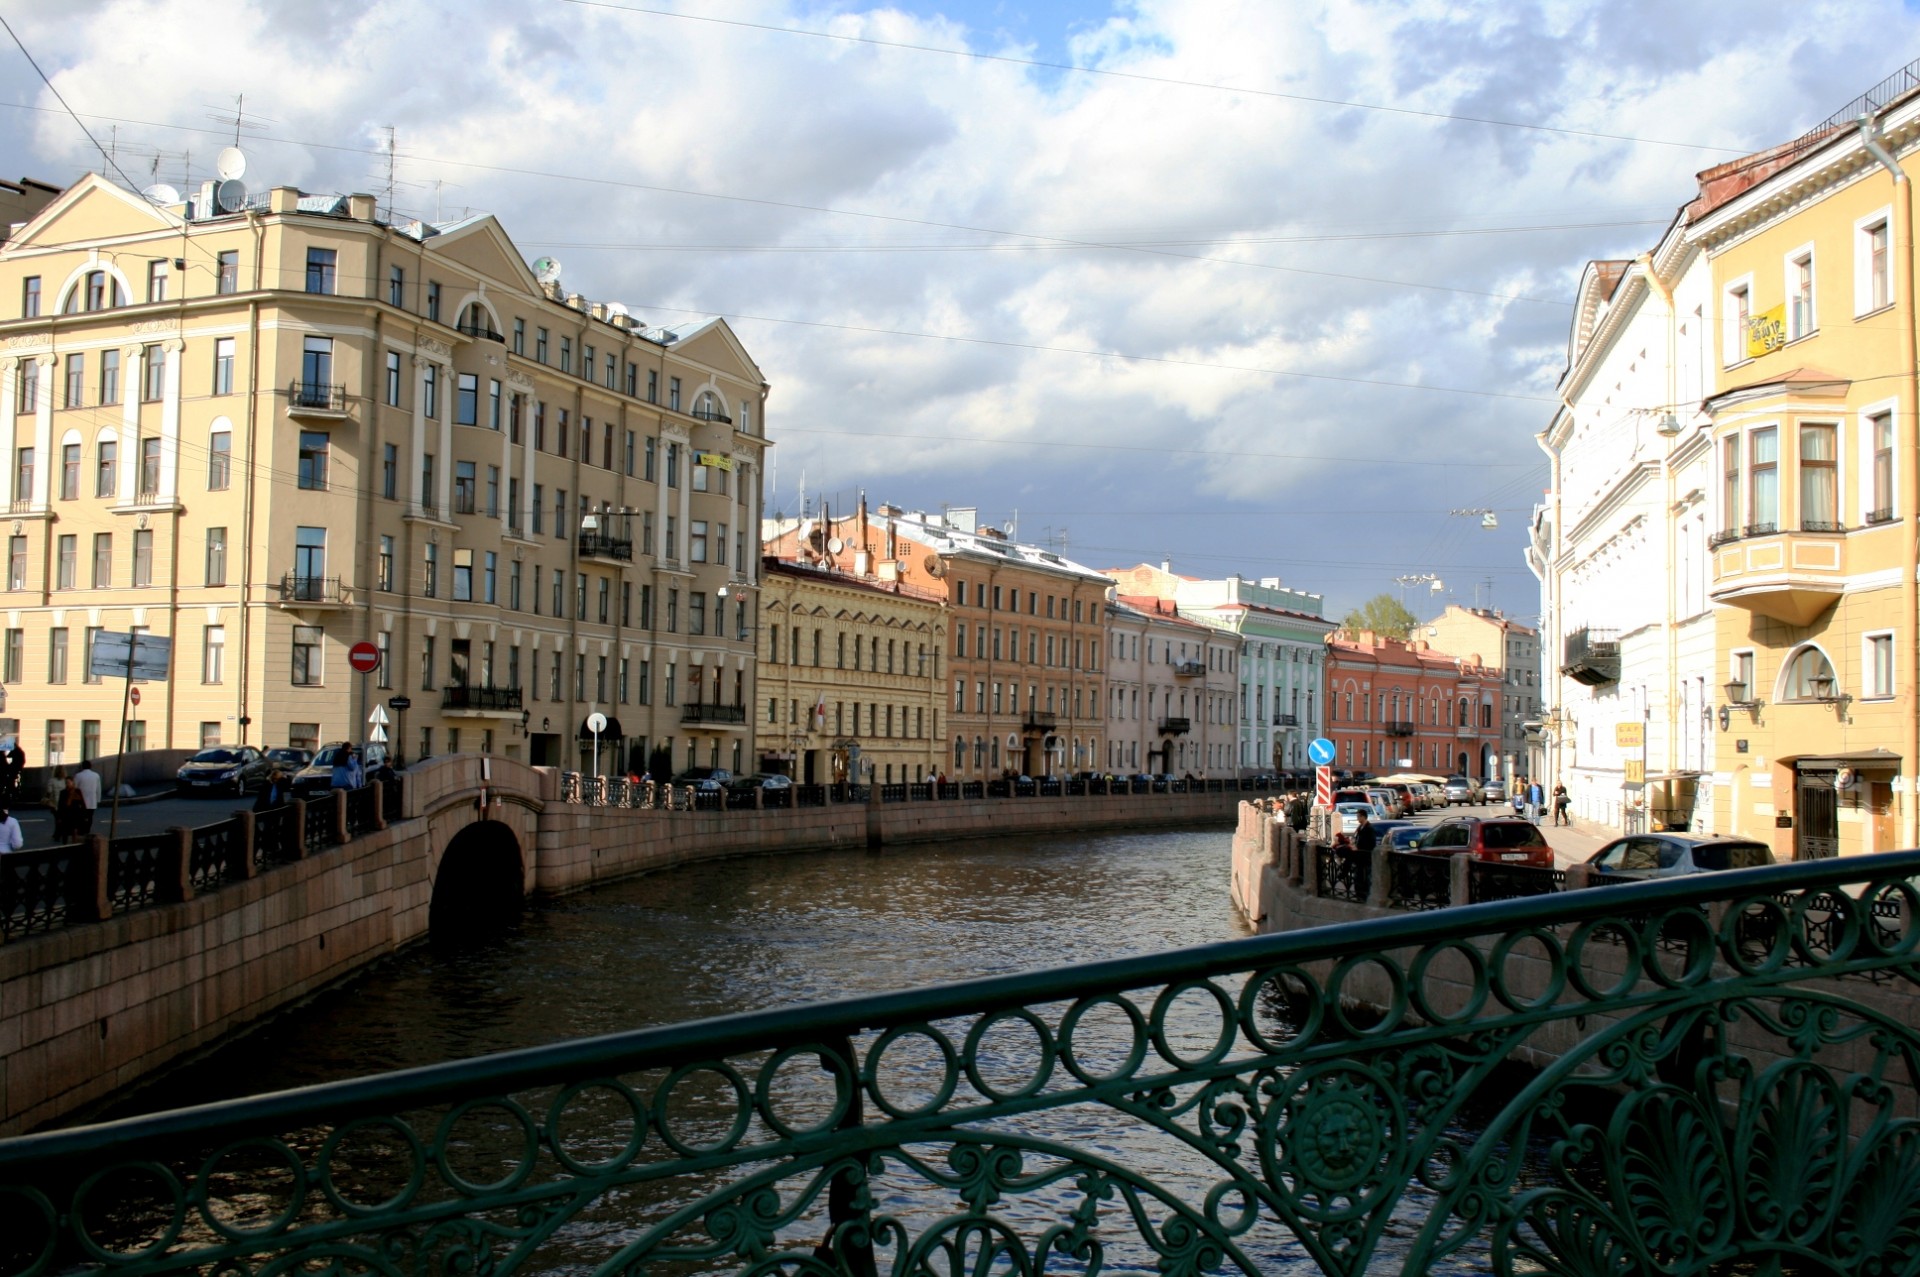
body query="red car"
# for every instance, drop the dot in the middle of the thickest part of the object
(1499, 839)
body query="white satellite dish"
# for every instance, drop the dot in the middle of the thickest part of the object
(161, 193)
(231, 164)
(230, 196)
(836, 545)
(546, 269)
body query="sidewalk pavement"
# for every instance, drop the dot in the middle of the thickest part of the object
(1573, 843)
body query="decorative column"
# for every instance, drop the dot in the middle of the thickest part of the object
(170, 421)
(132, 385)
(526, 462)
(43, 433)
(416, 483)
(442, 356)
(9, 383)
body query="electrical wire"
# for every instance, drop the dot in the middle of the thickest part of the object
(1038, 64)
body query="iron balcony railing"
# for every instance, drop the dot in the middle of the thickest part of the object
(1286, 720)
(1760, 529)
(1398, 727)
(502, 699)
(1592, 656)
(1190, 669)
(1338, 1099)
(316, 396)
(718, 715)
(477, 326)
(312, 589)
(1726, 536)
(1175, 726)
(711, 414)
(598, 545)
(1039, 720)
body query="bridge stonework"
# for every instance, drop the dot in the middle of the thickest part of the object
(87, 1010)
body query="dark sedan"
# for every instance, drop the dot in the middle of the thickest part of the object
(317, 776)
(227, 770)
(1669, 855)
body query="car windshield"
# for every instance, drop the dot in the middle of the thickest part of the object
(216, 756)
(330, 755)
(1731, 855)
(1517, 833)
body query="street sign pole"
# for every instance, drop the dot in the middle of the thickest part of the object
(120, 759)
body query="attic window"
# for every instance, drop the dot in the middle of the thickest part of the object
(96, 290)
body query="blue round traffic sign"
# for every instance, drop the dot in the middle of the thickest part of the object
(1320, 752)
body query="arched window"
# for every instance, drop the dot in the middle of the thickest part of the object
(96, 290)
(1808, 676)
(707, 407)
(959, 753)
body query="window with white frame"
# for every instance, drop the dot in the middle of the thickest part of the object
(1879, 444)
(1872, 262)
(1740, 676)
(1876, 664)
(1808, 676)
(1801, 317)
(1819, 478)
(1736, 310)
(1763, 481)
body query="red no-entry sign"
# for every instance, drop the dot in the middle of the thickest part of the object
(364, 657)
(133, 694)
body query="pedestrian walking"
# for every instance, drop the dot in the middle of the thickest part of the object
(87, 781)
(273, 793)
(1535, 800)
(69, 813)
(1560, 804)
(1297, 812)
(10, 839)
(356, 771)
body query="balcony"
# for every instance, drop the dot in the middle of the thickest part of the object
(1190, 669)
(480, 702)
(598, 545)
(711, 414)
(1037, 721)
(701, 714)
(314, 592)
(1175, 726)
(1592, 657)
(1398, 727)
(1286, 720)
(316, 399)
(476, 326)
(1788, 576)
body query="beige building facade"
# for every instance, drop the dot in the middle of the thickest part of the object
(273, 432)
(1172, 691)
(850, 676)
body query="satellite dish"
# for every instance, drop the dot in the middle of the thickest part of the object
(230, 196)
(546, 269)
(934, 567)
(231, 164)
(836, 545)
(161, 193)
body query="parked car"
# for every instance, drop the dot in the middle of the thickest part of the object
(230, 769)
(761, 780)
(1461, 792)
(1390, 803)
(317, 776)
(1404, 836)
(1668, 855)
(1493, 790)
(1346, 816)
(288, 759)
(703, 778)
(1497, 839)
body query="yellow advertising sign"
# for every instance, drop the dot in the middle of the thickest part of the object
(715, 460)
(1766, 331)
(1636, 772)
(1630, 735)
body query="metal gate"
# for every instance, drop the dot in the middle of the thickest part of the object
(1816, 824)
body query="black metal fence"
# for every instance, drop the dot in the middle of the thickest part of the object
(35, 888)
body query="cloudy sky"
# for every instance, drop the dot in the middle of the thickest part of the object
(1266, 287)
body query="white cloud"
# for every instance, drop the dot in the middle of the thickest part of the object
(1120, 450)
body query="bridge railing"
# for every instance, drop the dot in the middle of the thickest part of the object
(614, 791)
(1706, 1097)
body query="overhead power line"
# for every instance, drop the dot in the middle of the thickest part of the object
(1042, 65)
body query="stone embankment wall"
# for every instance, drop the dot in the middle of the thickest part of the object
(86, 1010)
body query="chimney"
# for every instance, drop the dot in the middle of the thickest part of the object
(360, 207)
(283, 199)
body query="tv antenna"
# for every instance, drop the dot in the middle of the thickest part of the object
(238, 119)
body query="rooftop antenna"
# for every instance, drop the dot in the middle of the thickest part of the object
(390, 157)
(238, 119)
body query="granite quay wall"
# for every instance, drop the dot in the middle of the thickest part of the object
(1285, 881)
(117, 958)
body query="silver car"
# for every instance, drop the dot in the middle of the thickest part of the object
(1461, 792)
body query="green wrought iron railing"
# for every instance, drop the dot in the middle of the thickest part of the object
(1719, 1076)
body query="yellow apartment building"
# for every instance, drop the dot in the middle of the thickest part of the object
(849, 676)
(272, 426)
(1813, 544)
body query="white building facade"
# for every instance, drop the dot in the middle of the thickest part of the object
(1620, 547)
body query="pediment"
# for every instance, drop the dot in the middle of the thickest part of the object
(91, 210)
(482, 246)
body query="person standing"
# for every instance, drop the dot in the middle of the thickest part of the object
(1560, 804)
(1535, 800)
(1365, 836)
(356, 772)
(10, 839)
(87, 781)
(69, 812)
(1297, 812)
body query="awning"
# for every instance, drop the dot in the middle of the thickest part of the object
(612, 731)
(1856, 759)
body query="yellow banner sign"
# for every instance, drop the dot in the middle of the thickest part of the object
(1629, 735)
(715, 460)
(1766, 331)
(1636, 772)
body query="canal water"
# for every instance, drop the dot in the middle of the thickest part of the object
(765, 932)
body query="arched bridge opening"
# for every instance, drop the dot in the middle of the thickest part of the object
(481, 887)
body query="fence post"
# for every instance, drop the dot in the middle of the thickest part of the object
(339, 797)
(1579, 877)
(299, 849)
(379, 803)
(176, 866)
(240, 849)
(1309, 867)
(759, 798)
(1460, 879)
(89, 869)
(1378, 881)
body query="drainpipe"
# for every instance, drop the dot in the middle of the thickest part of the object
(1909, 488)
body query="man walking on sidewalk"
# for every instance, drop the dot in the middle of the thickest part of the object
(87, 781)
(1535, 799)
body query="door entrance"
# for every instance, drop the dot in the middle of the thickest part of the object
(1880, 803)
(1816, 823)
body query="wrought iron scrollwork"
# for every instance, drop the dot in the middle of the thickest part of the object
(1714, 1089)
